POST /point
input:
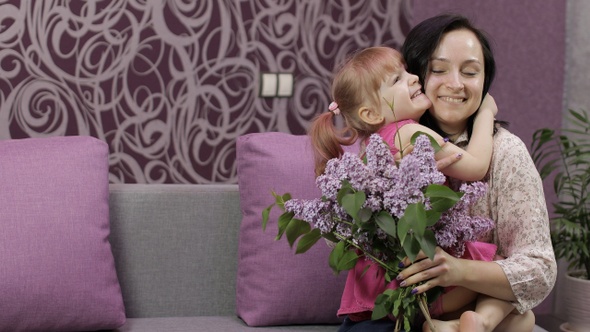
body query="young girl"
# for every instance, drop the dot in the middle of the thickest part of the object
(375, 94)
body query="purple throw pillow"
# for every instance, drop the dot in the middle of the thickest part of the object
(275, 286)
(57, 270)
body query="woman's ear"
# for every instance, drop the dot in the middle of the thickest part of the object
(370, 116)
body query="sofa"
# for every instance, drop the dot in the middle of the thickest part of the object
(82, 254)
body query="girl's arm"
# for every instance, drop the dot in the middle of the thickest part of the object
(481, 141)
(475, 160)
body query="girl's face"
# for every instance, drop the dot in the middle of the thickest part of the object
(403, 90)
(455, 78)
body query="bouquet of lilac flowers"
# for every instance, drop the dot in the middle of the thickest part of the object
(374, 209)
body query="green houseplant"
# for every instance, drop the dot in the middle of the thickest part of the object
(567, 157)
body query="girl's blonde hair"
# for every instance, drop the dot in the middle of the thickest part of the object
(355, 85)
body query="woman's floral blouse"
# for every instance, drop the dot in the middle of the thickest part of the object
(516, 202)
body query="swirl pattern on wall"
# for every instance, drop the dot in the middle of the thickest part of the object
(170, 85)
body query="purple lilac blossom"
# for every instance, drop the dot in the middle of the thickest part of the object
(379, 158)
(314, 211)
(416, 171)
(389, 188)
(456, 226)
(349, 167)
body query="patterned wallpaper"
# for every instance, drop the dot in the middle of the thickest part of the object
(170, 85)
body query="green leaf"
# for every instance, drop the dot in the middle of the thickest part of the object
(427, 243)
(336, 255)
(265, 215)
(283, 222)
(284, 198)
(397, 297)
(308, 240)
(412, 247)
(345, 189)
(432, 217)
(295, 229)
(352, 203)
(386, 222)
(403, 228)
(365, 215)
(380, 310)
(442, 197)
(415, 216)
(348, 260)
(342, 258)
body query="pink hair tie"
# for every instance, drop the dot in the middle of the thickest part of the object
(333, 107)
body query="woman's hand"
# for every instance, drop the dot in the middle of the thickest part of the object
(444, 270)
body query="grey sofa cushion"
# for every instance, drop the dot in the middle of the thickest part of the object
(175, 248)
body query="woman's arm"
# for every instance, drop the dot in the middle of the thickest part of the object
(516, 202)
(522, 231)
(445, 270)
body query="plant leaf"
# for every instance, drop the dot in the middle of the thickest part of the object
(432, 217)
(265, 215)
(386, 222)
(380, 310)
(412, 247)
(415, 217)
(442, 197)
(295, 229)
(308, 240)
(427, 243)
(352, 203)
(365, 214)
(348, 260)
(283, 223)
(403, 228)
(336, 255)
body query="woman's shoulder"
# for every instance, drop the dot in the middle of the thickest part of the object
(505, 140)
(509, 150)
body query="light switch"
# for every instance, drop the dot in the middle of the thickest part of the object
(268, 84)
(285, 85)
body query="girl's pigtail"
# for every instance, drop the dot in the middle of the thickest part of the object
(327, 140)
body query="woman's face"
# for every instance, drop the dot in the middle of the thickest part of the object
(455, 78)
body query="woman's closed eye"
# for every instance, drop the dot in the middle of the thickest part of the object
(471, 73)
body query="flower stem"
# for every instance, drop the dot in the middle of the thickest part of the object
(373, 258)
(424, 308)
(397, 323)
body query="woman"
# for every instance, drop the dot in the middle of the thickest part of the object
(455, 65)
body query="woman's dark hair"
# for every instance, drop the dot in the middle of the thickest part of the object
(423, 40)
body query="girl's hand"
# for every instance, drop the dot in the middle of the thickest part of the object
(489, 104)
(440, 164)
(444, 270)
(448, 161)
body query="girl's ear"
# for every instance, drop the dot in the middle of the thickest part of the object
(370, 116)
